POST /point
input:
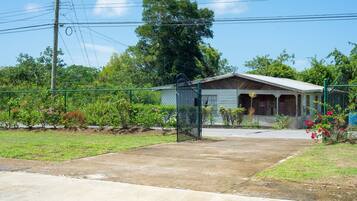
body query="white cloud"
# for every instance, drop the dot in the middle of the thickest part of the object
(32, 7)
(223, 7)
(102, 49)
(111, 7)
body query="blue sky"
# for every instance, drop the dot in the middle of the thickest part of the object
(237, 42)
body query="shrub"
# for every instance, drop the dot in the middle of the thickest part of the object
(281, 122)
(5, 121)
(101, 113)
(232, 116)
(207, 114)
(75, 119)
(250, 124)
(29, 114)
(52, 110)
(123, 109)
(330, 128)
(149, 116)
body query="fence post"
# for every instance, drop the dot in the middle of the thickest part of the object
(8, 104)
(325, 96)
(130, 103)
(65, 101)
(199, 115)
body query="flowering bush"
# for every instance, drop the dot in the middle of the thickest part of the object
(75, 119)
(330, 128)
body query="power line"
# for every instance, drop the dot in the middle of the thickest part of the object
(25, 19)
(139, 4)
(107, 38)
(26, 27)
(29, 10)
(81, 35)
(10, 15)
(196, 22)
(28, 30)
(66, 48)
(91, 38)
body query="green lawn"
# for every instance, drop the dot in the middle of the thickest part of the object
(319, 162)
(61, 146)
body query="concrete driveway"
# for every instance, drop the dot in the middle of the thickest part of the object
(222, 166)
(255, 133)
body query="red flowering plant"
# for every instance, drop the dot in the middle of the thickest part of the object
(330, 128)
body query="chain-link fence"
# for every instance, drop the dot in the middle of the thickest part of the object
(342, 97)
(189, 109)
(86, 107)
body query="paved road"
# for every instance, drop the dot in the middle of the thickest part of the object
(255, 133)
(17, 186)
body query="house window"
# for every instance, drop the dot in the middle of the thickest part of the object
(210, 100)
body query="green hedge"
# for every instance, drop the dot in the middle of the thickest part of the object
(113, 111)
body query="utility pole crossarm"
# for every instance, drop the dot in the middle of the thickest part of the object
(55, 46)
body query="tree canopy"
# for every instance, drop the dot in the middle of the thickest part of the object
(278, 67)
(171, 37)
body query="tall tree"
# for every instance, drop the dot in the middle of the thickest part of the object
(213, 63)
(171, 36)
(123, 70)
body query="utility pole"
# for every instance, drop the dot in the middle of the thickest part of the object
(55, 46)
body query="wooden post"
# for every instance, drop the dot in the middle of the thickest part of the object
(297, 110)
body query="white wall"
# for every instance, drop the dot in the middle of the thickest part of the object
(225, 97)
(168, 97)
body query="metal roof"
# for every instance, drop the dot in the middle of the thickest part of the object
(285, 83)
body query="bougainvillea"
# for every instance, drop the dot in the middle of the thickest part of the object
(330, 128)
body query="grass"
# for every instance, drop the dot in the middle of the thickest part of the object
(61, 146)
(319, 162)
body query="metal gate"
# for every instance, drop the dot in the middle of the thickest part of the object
(188, 106)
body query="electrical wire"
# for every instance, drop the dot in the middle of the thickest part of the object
(81, 35)
(24, 19)
(27, 30)
(107, 38)
(197, 22)
(91, 38)
(66, 47)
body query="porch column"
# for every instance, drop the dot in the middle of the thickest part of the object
(238, 95)
(277, 96)
(297, 110)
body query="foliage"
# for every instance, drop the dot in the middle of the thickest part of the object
(232, 116)
(171, 49)
(281, 122)
(75, 119)
(264, 65)
(149, 116)
(29, 114)
(52, 109)
(213, 64)
(100, 113)
(250, 124)
(318, 72)
(124, 70)
(123, 109)
(330, 128)
(207, 115)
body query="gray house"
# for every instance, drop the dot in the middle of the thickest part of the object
(273, 96)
